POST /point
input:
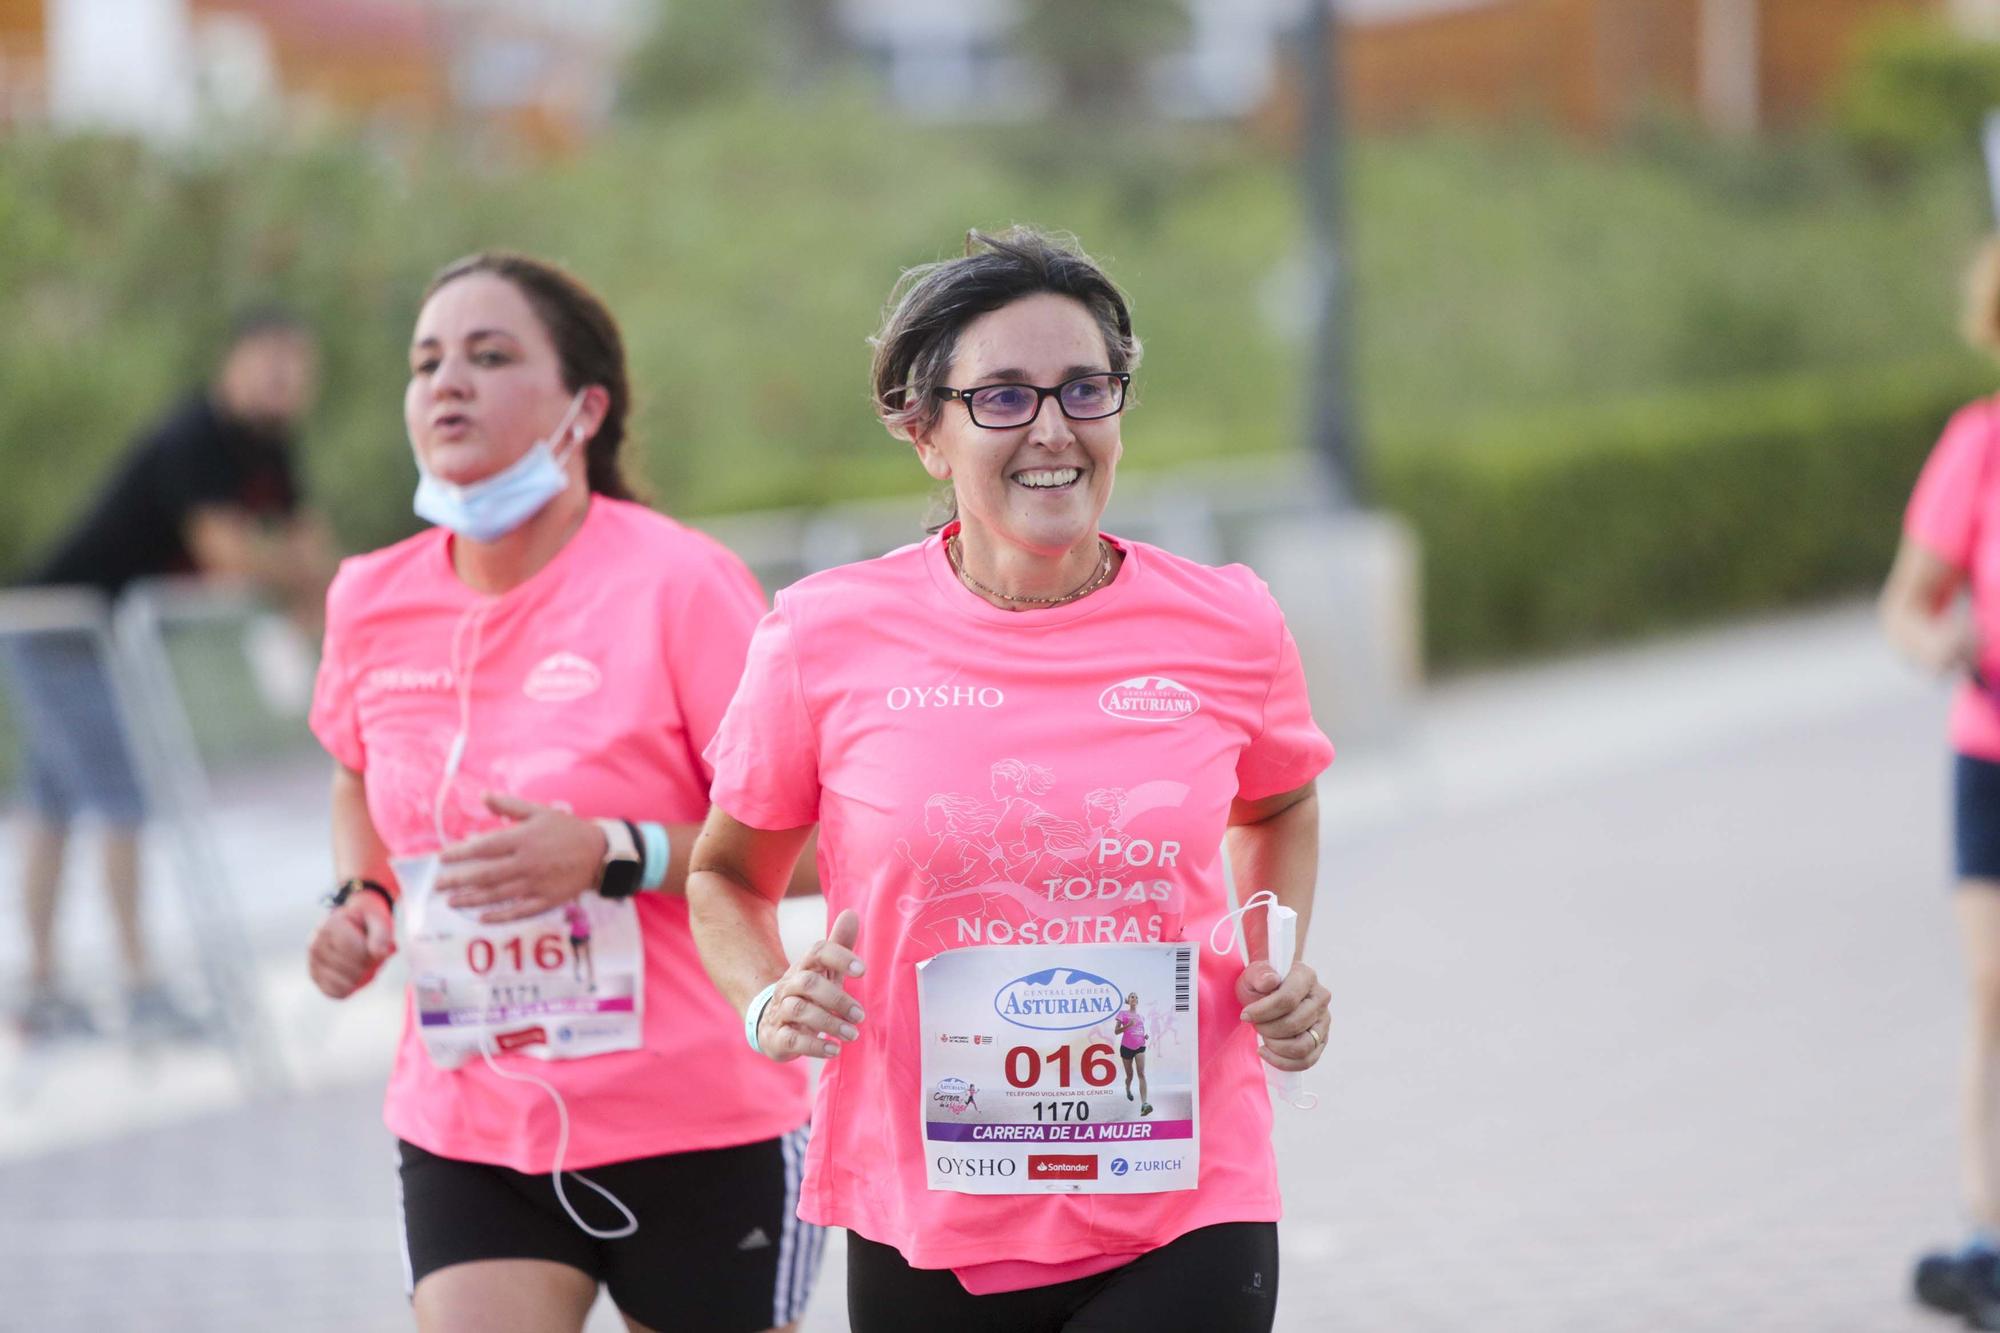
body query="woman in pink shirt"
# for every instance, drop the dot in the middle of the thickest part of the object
(517, 700)
(1941, 609)
(578, 920)
(1027, 746)
(1131, 1031)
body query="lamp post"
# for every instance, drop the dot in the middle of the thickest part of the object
(1329, 422)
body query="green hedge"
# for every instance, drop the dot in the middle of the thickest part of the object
(1541, 533)
(749, 245)
(1917, 89)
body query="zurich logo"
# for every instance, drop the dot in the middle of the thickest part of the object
(1058, 1000)
(1119, 1166)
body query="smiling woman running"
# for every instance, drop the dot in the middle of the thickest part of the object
(1027, 672)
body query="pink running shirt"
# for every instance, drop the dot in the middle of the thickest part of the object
(1954, 513)
(989, 777)
(1133, 1035)
(597, 684)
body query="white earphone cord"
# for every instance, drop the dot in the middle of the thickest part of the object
(462, 673)
(1290, 1086)
(562, 1150)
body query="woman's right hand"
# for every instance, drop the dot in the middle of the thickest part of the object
(1952, 647)
(1920, 611)
(350, 945)
(811, 1012)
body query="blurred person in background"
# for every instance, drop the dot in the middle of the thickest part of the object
(1021, 654)
(517, 701)
(211, 489)
(1941, 609)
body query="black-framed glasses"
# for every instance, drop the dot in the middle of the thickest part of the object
(1081, 398)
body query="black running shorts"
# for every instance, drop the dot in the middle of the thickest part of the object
(1976, 822)
(719, 1248)
(1219, 1279)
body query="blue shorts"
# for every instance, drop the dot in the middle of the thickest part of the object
(76, 756)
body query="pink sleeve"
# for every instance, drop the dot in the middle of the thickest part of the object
(1290, 750)
(766, 752)
(720, 614)
(1948, 495)
(333, 718)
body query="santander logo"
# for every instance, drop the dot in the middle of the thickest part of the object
(561, 677)
(1149, 699)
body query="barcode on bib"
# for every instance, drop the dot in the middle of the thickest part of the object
(1183, 967)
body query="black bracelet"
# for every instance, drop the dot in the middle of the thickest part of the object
(348, 888)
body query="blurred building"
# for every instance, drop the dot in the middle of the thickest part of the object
(961, 59)
(1586, 65)
(540, 70)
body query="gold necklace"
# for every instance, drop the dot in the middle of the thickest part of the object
(955, 553)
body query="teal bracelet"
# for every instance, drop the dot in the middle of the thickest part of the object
(659, 852)
(754, 1015)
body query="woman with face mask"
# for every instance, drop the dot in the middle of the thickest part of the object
(1102, 723)
(517, 701)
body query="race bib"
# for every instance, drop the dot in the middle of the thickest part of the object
(1033, 1083)
(563, 985)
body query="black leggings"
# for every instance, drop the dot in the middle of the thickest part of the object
(1219, 1279)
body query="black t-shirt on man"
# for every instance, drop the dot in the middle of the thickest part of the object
(195, 459)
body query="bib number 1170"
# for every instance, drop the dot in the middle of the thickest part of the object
(1024, 1066)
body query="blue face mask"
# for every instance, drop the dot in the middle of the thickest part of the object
(488, 509)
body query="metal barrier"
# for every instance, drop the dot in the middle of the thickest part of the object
(177, 784)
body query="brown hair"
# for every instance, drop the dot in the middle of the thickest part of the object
(587, 341)
(933, 303)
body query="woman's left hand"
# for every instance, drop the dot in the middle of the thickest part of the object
(1292, 1018)
(542, 860)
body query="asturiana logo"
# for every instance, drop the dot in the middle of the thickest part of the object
(1058, 1000)
(1149, 699)
(560, 677)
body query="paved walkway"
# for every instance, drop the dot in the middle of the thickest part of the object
(1647, 1008)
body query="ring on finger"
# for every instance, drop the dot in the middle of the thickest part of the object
(1314, 1034)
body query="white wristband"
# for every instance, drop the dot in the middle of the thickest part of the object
(754, 1015)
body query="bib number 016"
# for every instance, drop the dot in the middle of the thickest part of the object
(545, 953)
(1024, 1066)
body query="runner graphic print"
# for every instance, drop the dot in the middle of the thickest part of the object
(1010, 867)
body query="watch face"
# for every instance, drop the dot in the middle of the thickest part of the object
(620, 879)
